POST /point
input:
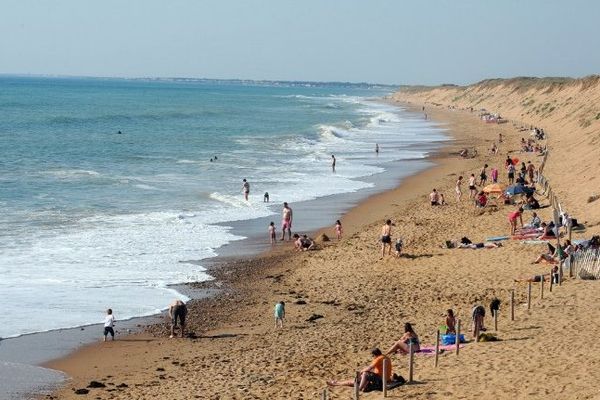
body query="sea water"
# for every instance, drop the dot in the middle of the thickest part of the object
(113, 190)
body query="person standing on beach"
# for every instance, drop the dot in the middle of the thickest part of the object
(109, 323)
(177, 312)
(458, 188)
(472, 188)
(494, 175)
(286, 221)
(333, 163)
(511, 173)
(377, 148)
(483, 175)
(338, 229)
(512, 218)
(386, 237)
(272, 233)
(246, 188)
(530, 171)
(279, 312)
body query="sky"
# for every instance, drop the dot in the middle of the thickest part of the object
(378, 41)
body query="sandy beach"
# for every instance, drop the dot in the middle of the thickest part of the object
(549, 351)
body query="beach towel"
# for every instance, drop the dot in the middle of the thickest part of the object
(430, 350)
(496, 238)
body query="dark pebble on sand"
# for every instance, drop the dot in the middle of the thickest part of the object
(96, 384)
(160, 369)
(82, 391)
(122, 385)
(300, 302)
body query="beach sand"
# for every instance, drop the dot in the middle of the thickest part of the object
(548, 351)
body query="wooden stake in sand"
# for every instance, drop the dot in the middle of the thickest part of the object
(476, 328)
(457, 340)
(542, 287)
(384, 377)
(324, 395)
(411, 361)
(495, 320)
(437, 348)
(357, 386)
(551, 280)
(528, 295)
(512, 305)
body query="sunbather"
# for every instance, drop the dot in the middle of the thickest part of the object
(534, 278)
(371, 377)
(487, 245)
(402, 345)
(450, 321)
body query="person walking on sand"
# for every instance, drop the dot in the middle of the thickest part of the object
(494, 175)
(279, 312)
(272, 233)
(458, 188)
(246, 188)
(177, 312)
(109, 323)
(472, 188)
(510, 169)
(483, 175)
(286, 221)
(333, 163)
(386, 237)
(338, 229)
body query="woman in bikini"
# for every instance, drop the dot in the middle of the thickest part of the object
(402, 345)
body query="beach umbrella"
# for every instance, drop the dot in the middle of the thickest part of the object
(494, 188)
(519, 189)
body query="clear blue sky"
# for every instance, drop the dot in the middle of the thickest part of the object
(386, 41)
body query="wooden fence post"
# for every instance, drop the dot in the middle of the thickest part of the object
(384, 377)
(528, 295)
(542, 287)
(457, 339)
(324, 394)
(357, 386)
(551, 280)
(495, 320)
(437, 348)
(411, 361)
(512, 305)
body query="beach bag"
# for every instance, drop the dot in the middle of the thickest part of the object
(450, 338)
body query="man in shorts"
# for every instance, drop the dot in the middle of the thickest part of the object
(246, 189)
(286, 221)
(177, 312)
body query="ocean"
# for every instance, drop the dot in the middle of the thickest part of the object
(114, 190)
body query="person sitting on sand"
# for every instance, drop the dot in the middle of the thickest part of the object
(548, 231)
(535, 221)
(434, 198)
(303, 243)
(177, 311)
(512, 218)
(386, 237)
(371, 377)
(481, 200)
(450, 321)
(402, 345)
(531, 203)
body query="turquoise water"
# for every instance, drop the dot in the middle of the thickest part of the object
(93, 218)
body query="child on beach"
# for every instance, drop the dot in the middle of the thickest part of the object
(458, 188)
(398, 246)
(494, 175)
(338, 229)
(279, 312)
(272, 233)
(109, 323)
